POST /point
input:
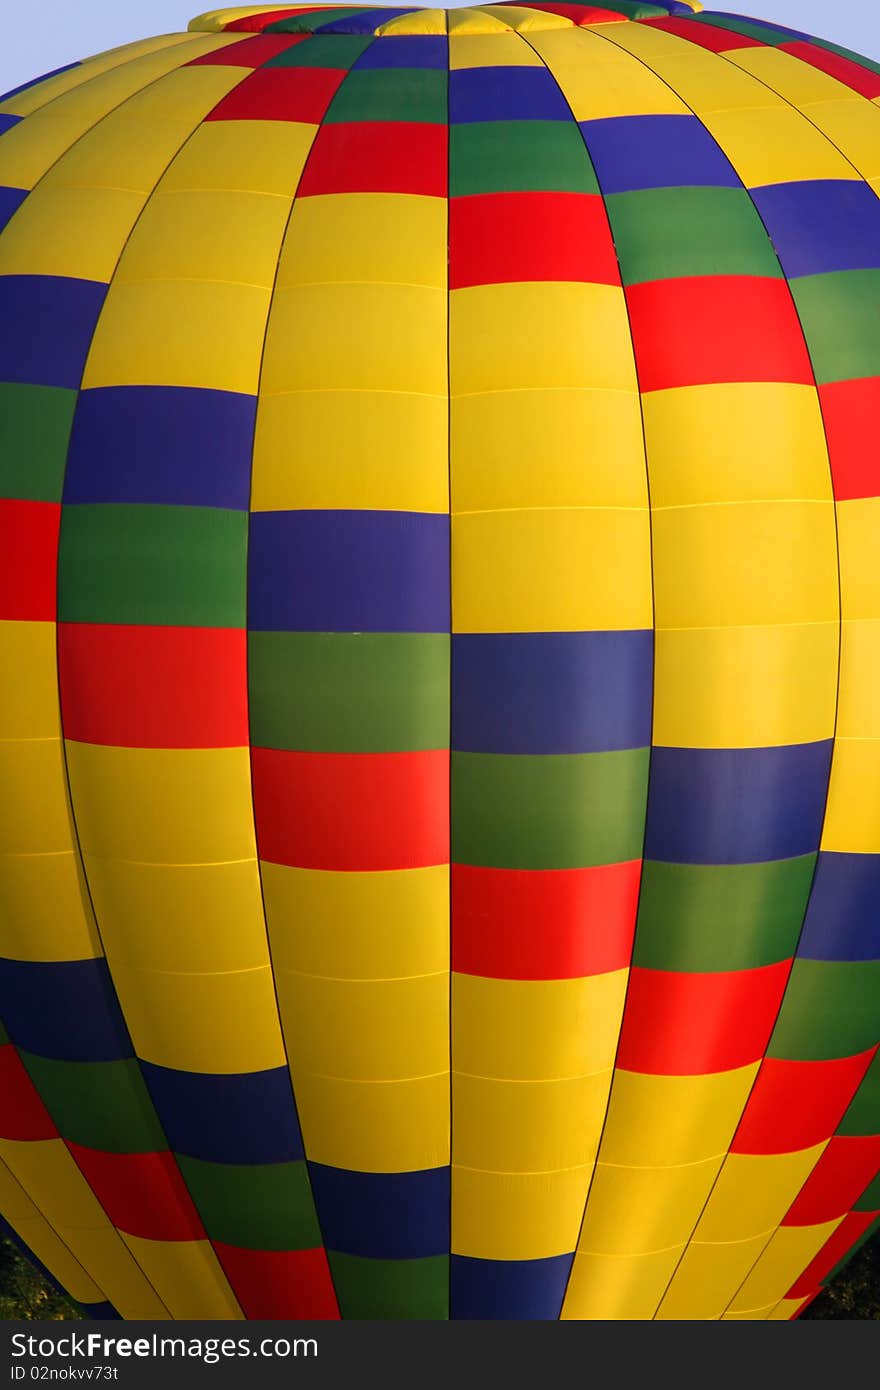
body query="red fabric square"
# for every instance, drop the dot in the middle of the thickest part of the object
(154, 687)
(543, 924)
(679, 1023)
(28, 560)
(280, 94)
(352, 811)
(499, 238)
(377, 157)
(721, 328)
(794, 1105)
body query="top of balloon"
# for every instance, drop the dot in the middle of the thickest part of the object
(477, 19)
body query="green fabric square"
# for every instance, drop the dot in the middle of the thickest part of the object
(174, 566)
(391, 94)
(548, 811)
(340, 692)
(391, 1289)
(338, 51)
(265, 1206)
(695, 917)
(518, 156)
(101, 1105)
(830, 1009)
(668, 233)
(35, 424)
(841, 317)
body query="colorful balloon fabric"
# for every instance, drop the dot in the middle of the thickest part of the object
(442, 441)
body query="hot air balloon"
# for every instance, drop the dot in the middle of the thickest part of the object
(440, 733)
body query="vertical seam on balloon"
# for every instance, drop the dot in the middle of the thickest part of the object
(794, 956)
(75, 836)
(451, 644)
(262, 364)
(595, 1164)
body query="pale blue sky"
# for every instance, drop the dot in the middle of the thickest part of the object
(42, 34)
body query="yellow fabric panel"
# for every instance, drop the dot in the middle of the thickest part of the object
(207, 235)
(215, 1023)
(419, 22)
(130, 149)
(615, 1287)
(545, 334)
(536, 1030)
(306, 349)
(182, 918)
(15, 1203)
(367, 1030)
(601, 80)
(753, 1193)
(637, 1211)
(551, 571)
(106, 1255)
(365, 238)
(704, 80)
(523, 19)
(788, 1253)
(376, 925)
(527, 1127)
(75, 232)
(91, 101)
(216, 19)
(660, 1120)
(188, 1277)
(29, 704)
(786, 1309)
(795, 80)
(590, 444)
(853, 125)
(34, 817)
(44, 92)
(173, 333)
(46, 909)
(378, 450)
(47, 1172)
(39, 1236)
(33, 146)
(858, 523)
(516, 1216)
(374, 1127)
(776, 145)
(37, 142)
(858, 714)
(473, 21)
(745, 687)
(166, 806)
(707, 1279)
(736, 442)
(489, 50)
(79, 1256)
(852, 816)
(751, 562)
(250, 156)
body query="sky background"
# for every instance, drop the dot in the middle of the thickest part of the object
(43, 34)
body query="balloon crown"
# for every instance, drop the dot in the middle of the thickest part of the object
(479, 19)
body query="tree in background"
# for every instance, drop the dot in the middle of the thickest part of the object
(25, 1293)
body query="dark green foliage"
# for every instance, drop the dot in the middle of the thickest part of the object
(24, 1293)
(855, 1293)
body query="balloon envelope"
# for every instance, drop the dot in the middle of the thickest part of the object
(439, 739)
